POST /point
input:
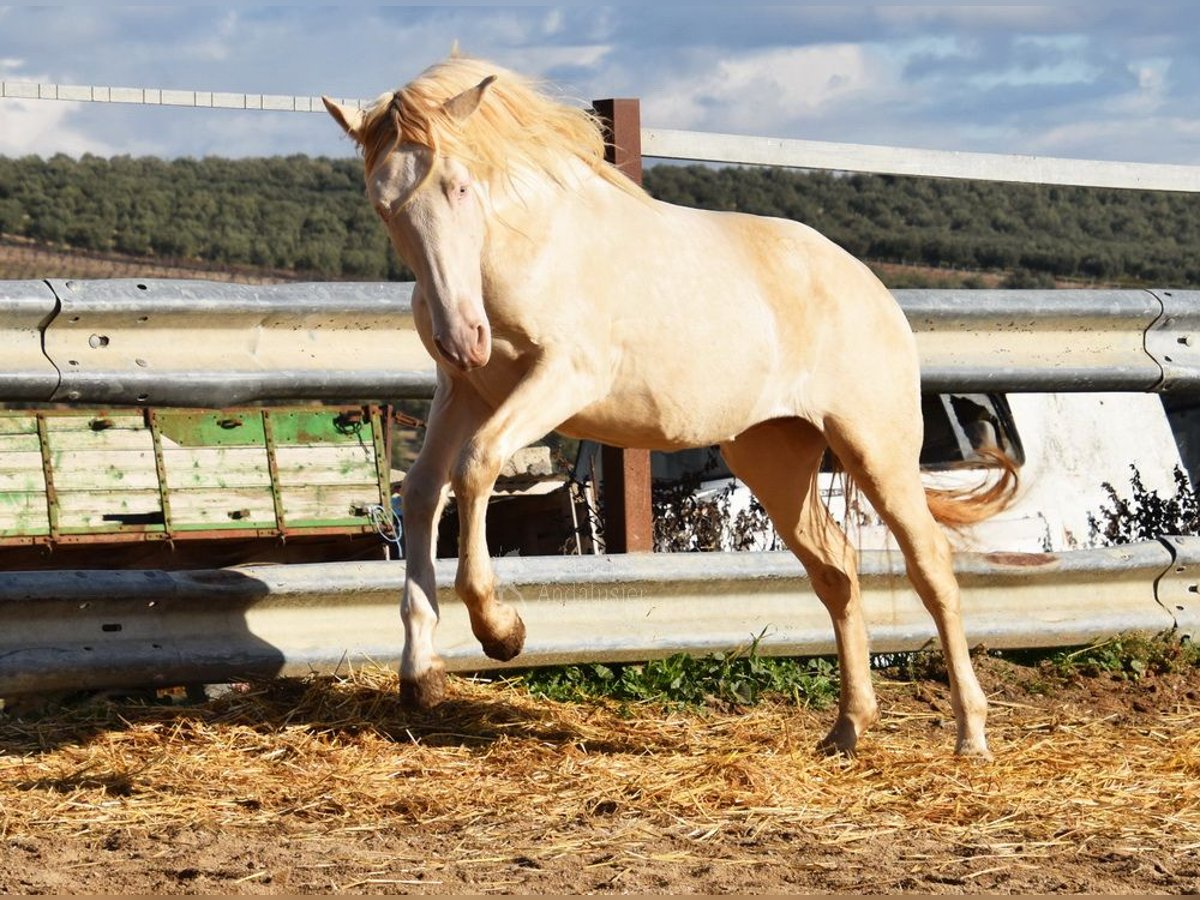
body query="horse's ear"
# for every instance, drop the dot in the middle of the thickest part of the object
(349, 117)
(468, 101)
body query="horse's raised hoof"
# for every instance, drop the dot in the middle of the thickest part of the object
(509, 646)
(426, 690)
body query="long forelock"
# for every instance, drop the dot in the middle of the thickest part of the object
(518, 125)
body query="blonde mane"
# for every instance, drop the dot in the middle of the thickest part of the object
(516, 126)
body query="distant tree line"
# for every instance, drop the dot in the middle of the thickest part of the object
(280, 212)
(310, 214)
(1088, 233)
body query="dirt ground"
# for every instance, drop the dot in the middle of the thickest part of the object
(330, 786)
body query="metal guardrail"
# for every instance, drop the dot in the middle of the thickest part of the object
(208, 344)
(1077, 340)
(75, 629)
(211, 344)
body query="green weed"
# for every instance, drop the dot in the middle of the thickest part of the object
(737, 677)
(1128, 657)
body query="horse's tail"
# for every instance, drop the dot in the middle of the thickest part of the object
(958, 507)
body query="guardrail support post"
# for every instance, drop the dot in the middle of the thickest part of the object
(628, 519)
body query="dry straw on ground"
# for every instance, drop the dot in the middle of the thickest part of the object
(344, 753)
(536, 780)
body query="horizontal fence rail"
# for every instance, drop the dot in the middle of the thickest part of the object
(84, 93)
(211, 344)
(702, 146)
(739, 149)
(99, 629)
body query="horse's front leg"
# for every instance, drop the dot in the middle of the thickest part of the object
(454, 415)
(549, 395)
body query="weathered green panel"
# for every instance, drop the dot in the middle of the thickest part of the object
(228, 428)
(105, 512)
(327, 505)
(216, 467)
(222, 510)
(20, 443)
(324, 464)
(22, 471)
(105, 470)
(12, 422)
(350, 425)
(23, 514)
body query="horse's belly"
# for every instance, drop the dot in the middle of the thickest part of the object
(668, 418)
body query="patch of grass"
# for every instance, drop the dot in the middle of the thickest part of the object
(1128, 657)
(741, 677)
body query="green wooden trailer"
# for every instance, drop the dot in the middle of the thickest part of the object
(148, 483)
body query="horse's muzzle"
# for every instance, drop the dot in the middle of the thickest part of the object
(471, 350)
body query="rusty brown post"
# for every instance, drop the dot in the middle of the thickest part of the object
(628, 519)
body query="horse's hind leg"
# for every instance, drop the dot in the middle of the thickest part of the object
(884, 464)
(779, 461)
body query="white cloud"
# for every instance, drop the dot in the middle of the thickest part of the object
(216, 47)
(40, 127)
(1150, 95)
(1009, 16)
(553, 23)
(1177, 141)
(43, 127)
(534, 59)
(766, 92)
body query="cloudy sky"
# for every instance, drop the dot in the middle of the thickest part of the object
(1085, 81)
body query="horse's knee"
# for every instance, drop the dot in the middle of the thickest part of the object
(496, 625)
(477, 469)
(833, 585)
(477, 589)
(421, 497)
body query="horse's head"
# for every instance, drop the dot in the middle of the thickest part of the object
(433, 210)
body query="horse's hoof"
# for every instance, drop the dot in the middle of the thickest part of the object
(975, 750)
(508, 647)
(840, 741)
(426, 690)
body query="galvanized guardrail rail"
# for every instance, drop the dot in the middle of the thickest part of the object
(74, 630)
(202, 344)
(209, 344)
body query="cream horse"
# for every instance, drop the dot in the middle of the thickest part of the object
(555, 294)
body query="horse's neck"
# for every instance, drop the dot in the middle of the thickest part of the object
(525, 213)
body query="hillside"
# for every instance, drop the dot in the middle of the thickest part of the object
(285, 217)
(22, 259)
